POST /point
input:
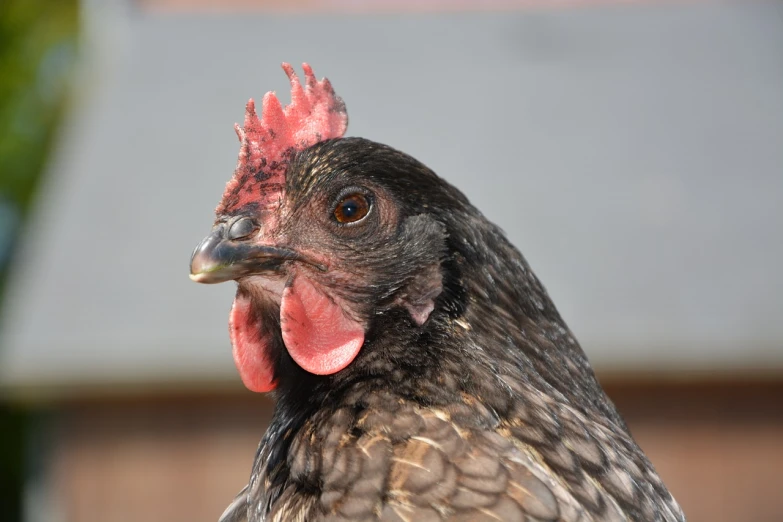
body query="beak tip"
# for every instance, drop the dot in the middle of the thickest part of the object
(205, 277)
(217, 259)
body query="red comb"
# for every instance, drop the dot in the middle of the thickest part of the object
(315, 114)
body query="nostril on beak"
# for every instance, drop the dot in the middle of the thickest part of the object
(242, 228)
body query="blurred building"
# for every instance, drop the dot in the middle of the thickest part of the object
(633, 152)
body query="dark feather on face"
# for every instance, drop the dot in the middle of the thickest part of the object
(422, 236)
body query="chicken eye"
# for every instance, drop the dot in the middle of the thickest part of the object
(241, 228)
(351, 208)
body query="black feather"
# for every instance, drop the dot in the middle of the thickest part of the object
(492, 394)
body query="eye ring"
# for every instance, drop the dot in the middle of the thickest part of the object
(351, 208)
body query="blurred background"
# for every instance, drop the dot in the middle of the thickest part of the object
(633, 150)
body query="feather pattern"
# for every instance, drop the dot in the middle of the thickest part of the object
(489, 411)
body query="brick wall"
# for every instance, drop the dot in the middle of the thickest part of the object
(719, 446)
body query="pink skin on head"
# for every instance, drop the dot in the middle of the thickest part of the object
(317, 333)
(250, 348)
(315, 114)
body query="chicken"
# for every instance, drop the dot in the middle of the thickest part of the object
(420, 370)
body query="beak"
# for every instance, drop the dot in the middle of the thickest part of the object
(217, 259)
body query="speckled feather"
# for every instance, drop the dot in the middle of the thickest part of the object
(489, 411)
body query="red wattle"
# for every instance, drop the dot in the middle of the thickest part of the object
(250, 348)
(318, 335)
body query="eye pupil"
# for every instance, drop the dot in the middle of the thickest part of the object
(351, 208)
